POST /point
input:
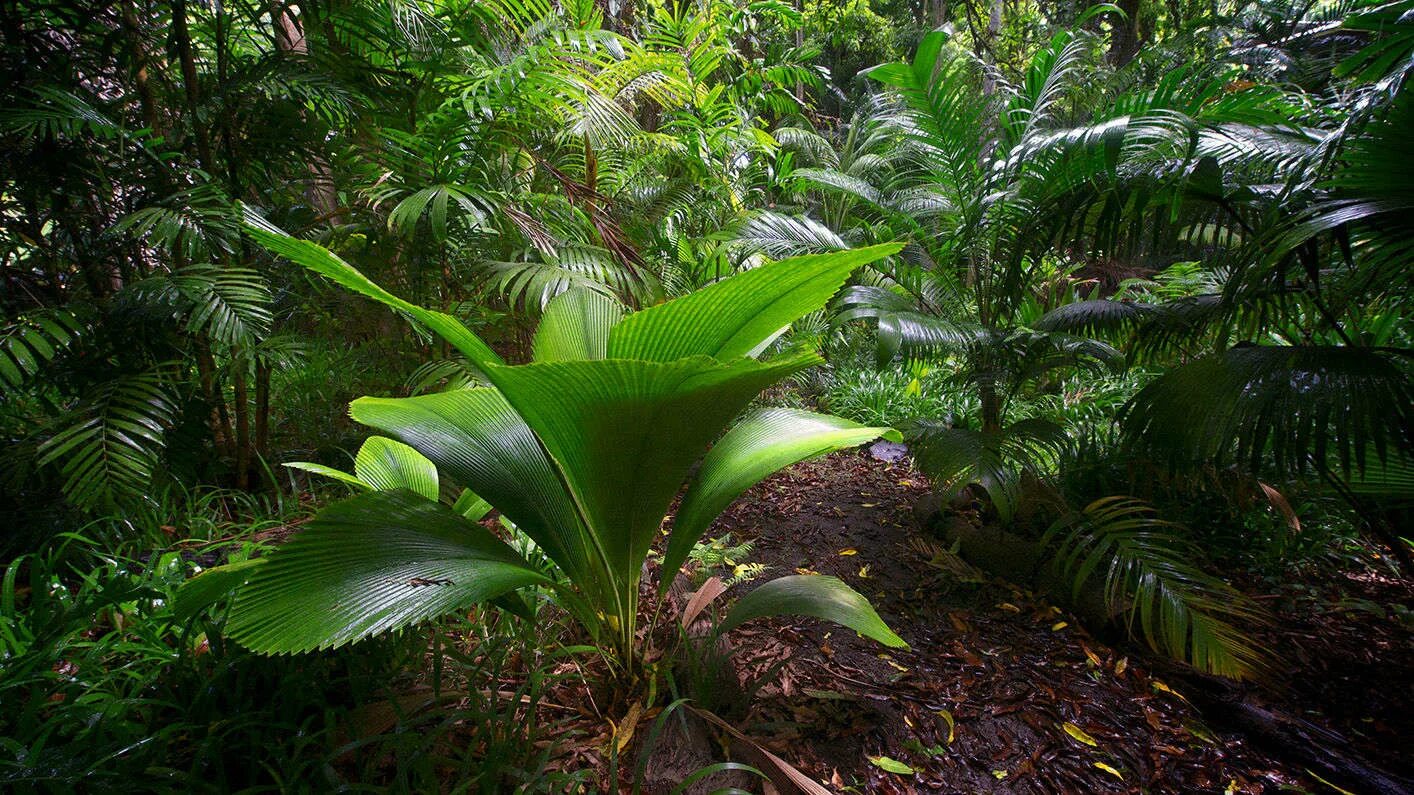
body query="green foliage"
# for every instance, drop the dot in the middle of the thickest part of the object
(107, 683)
(584, 456)
(111, 450)
(1148, 573)
(1290, 408)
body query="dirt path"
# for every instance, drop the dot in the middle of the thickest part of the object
(1000, 691)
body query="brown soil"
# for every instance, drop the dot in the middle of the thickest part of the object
(1036, 704)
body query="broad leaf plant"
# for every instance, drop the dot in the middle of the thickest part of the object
(583, 450)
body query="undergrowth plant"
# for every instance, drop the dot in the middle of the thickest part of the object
(583, 450)
(109, 679)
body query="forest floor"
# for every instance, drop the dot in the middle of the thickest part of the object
(1001, 691)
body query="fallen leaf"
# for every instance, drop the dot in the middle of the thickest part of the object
(623, 732)
(1079, 734)
(1121, 665)
(952, 724)
(1110, 770)
(1009, 607)
(1092, 656)
(847, 551)
(891, 765)
(1059, 625)
(1000, 774)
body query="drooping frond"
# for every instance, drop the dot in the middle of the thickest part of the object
(1148, 573)
(111, 447)
(1283, 407)
(955, 458)
(29, 342)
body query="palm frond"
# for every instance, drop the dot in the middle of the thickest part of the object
(955, 458)
(1148, 573)
(111, 446)
(1284, 407)
(30, 341)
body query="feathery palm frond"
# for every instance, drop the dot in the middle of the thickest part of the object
(110, 450)
(1148, 574)
(31, 341)
(955, 458)
(1288, 407)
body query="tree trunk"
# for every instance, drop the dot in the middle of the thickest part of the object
(994, 32)
(147, 100)
(1124, 41)
(242, 409)
(182, 35)
(262, 408)
(220, 418)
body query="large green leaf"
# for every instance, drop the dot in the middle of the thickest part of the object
(211, 586)
(812, 595)
(325, 262)
(477, 439)
(576, 326)
(383, 465)
(386, 465)
(734, 316)
(759, 445)
(368, 564)
(330, 472)
(625, 433)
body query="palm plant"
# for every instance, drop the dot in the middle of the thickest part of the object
(583, 449)
(987, 185)
(1293, 363)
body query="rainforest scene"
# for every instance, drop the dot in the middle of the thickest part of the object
(676, 397)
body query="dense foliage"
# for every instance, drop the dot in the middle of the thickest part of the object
(1131, 281)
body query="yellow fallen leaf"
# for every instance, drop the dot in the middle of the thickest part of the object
(1092, 656)
(1000, 774)
(1009, 607)
(847, 551)
(800, 570)
(952, 724)
(623, 732)
(1110, 770)
(1079, 734)
(1059, 625)
(1121, 665)
(864, 571)
(1163, 688)
(870, 505)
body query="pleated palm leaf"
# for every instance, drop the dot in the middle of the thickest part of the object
(583, 449)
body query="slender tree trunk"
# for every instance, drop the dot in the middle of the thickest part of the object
(994, 32)
(147, 99)
(220, 417)
(187, 58)
(991, 405)
(262, 408)
(938, 13)
(1124, 41)
(242, 409)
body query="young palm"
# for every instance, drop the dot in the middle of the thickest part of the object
(583, 450)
